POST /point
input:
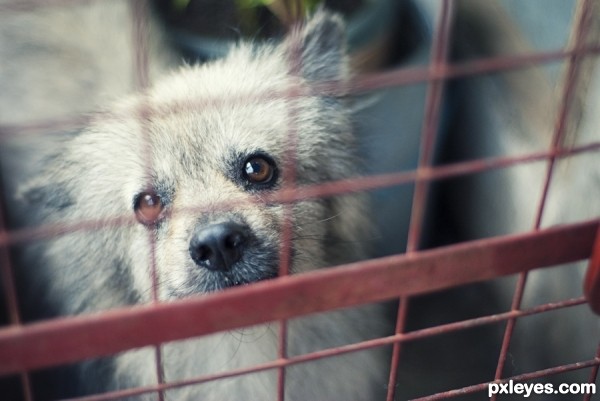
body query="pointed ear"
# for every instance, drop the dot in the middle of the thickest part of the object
(317, 48)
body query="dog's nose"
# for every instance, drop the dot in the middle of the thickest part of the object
(218, 246)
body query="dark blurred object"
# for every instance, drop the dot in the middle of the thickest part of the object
(206, 29)
(227, 19)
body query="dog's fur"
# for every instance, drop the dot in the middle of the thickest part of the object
(188, 140)
(515, 113)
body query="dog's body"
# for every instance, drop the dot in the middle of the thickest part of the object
(514, 114)
(194, 157)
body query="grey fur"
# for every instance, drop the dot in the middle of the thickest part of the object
(515, 114)
(186, 137)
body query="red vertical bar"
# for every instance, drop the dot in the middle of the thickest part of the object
(593, 375)
(8, 279)
(139, 17)
(6, 270)
(431, 119)
(10, 293)
(400, 323)
(583, 25)
(591, 286)
(289, 183)
(581, 28)
(510, 326)
(431, 122)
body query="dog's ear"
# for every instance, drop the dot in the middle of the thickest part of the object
(317, 48)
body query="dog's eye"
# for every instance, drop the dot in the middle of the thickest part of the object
(259, 170)
(148, 208)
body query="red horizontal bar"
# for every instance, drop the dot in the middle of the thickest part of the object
(365, 183)
(330, 352)
(363, 83)
(49, 343)
(498, 64)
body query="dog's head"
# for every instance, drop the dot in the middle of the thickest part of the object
(201, 157)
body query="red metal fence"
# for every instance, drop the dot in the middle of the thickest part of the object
(26, 347)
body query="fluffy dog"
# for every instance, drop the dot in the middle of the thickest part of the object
(179, 176)
(516, 113)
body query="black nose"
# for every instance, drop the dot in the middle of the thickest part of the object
(218, 246)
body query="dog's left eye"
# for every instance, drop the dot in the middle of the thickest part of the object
(148, 208)
(259, 170)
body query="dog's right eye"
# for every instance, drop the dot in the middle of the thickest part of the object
(148, 208)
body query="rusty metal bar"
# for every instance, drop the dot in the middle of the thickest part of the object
(378, 342)
(139, 15)
(26, 235)
(49, 343)
(580, 28)
(593, 374)
(294, 61)
(384, 278)
(568, 92)
(412, 75)
(592, 278)
(431, 122)
(10, 295)
(139, 18)
(6, 271)
(430, 126)
(401, 317)
(369, 82)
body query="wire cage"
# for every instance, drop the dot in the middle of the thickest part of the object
(422, 287)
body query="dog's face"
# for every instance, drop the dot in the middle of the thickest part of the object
(199, 158)
(203, 194)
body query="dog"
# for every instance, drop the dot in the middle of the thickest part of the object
(180, 175)
(514, 114)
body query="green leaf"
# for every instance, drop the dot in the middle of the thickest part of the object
(253, 3)
(180, 5)
(309, 5)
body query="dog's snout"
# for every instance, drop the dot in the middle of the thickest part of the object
(218, 246)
